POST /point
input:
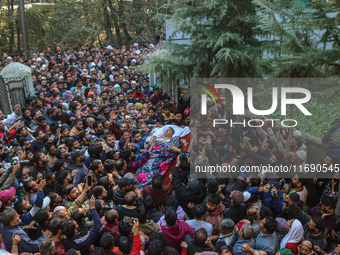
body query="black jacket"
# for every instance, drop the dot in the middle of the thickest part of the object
(184, 195)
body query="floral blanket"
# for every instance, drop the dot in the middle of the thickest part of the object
(159, 161)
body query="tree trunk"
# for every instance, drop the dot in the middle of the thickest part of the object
(10, 25)
(123, 23)
(17, 24)
(116, 24)
(108, 24)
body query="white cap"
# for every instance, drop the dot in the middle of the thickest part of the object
(59, 208)
(80, 52)
(85, 71)
(153, 46)
(135, 44)
(125, 67)
(246, 196)
(134, 60)
(137, 52)
(9, 57)
(116, 87)
(46, 202)
(127, 116)
(302, 155)
(133, 82)
(39, 59)
(109, 47)
(297, 133)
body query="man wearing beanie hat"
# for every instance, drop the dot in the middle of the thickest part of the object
(237, 209)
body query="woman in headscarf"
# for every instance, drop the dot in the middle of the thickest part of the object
(281, 229)
(293, 238)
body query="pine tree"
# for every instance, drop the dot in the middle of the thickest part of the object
(223, 41)
(302, 40)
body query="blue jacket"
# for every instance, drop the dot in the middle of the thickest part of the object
(237, 249)
(25, 245)
(28, 217)
(275, 204)
(83, 243)
(267, 243)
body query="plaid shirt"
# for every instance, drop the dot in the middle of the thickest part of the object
(110, 228)
(132, 166)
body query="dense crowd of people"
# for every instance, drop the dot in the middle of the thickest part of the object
(98, 162)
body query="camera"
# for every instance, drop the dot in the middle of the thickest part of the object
(183, 157)
(272, 192)
(16, 160)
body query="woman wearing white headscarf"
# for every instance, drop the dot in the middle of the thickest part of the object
(294, 236)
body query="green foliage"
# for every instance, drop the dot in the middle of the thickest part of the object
(36, 28)
(222, 41)
(301, 40)
(74, 23)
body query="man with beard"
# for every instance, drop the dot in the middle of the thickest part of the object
(314, 227)
(264, 156)
(132, 164)
(121, 99)
(151, 119)
(110, 142)
(94, 110)
(77, 128)
(25, 144)
(41, 160)
(98, 128)
(50, 183)
(125, 185)
(214, 213)
(297, 185)
(97, 168)
(50, 113)
(73, 144)
(50, 148)
(63, 178)
(129, 96)
(35, 115)
(61, 117)
(326, 211)
(177, 120)
(24, 207)
(11, 220)
(71, 194)
(42, 123)
(38, 144)
(105, 111)
(78, 157)
(104, 98)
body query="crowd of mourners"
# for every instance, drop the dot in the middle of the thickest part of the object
(97, 162)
